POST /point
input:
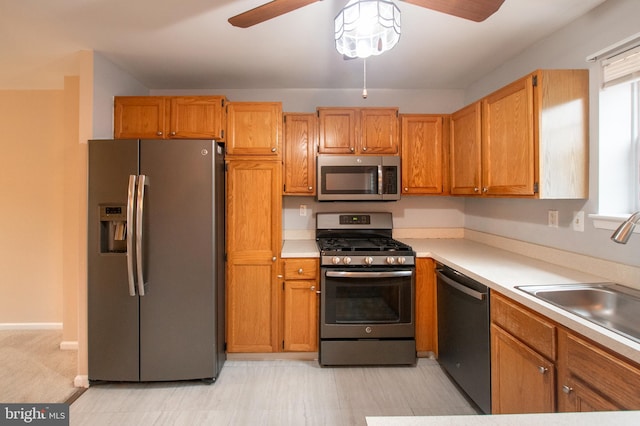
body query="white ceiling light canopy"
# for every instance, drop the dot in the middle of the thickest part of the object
(367, 27)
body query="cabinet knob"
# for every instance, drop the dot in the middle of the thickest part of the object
(274, 149)
(313, 288)
(476, 189)
(274, 258)
(352, 149)
(364, 148)
(542, 369)
(280, 276)
(300, 271)
(485, 189)
(406, 189)
(567, 389)
(159, 133)
(173, 133)
(310, 188)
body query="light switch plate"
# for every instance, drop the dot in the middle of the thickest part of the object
(552, 220)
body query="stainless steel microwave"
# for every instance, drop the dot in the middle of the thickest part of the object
(358, 178)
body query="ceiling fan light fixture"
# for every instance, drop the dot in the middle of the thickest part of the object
(366, 28)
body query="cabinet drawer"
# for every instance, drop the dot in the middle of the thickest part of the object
(618, 380)
(300, 269)
(528, 326)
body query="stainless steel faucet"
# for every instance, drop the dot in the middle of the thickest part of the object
(624, 231)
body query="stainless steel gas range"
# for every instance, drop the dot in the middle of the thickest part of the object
(367, 303)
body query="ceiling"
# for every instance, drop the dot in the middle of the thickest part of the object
(188, 44)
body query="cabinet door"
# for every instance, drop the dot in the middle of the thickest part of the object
(254, 128)
(254, 206)
(379, 131)
(589, 371)
(508, 140)
(140, 117)
(196, 117)
(300, 316)
(422, 154)
(300, 142)
(581, 397)
(338, 128)
(522, 381)
(466, 150)
(426, 316)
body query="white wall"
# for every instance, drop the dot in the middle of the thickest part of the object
(526, 220)
(31, 218)
(110, 81)
(306, 100)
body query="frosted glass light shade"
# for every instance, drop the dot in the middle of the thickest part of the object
(367, 27)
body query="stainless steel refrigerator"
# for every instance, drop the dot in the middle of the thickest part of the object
(156, 260)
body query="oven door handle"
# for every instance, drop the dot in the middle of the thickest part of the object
(349, 274)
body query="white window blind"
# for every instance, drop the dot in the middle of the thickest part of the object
(621, 68)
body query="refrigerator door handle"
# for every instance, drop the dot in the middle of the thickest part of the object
(131, 194)
(143, 181)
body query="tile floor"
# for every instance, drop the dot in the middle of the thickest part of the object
(276, 393)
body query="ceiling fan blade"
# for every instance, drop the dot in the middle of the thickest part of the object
(267, 11)
(474, 10)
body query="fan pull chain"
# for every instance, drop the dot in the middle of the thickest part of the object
(364, 90)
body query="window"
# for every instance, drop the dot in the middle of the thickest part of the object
(619, 124)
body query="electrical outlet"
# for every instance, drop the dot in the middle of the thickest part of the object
(552, 219)
(303, 209)
(578, 221)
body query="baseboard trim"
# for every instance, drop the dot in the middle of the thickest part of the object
(81, 381)
(31, 326)
(69, 345)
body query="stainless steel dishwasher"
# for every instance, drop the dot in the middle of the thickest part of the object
(463, 334)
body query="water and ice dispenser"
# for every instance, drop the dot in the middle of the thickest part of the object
(113, 229)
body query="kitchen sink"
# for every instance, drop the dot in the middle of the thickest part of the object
(615, 307)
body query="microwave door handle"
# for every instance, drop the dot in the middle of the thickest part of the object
(130, 234)
(380, 179)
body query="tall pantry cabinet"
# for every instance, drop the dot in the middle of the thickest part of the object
(254, 222)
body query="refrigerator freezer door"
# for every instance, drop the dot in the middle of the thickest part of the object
(112, 311)
(177, 324)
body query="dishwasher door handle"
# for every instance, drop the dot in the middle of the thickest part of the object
(461, 287)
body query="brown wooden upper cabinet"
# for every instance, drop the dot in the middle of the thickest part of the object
(300, 145)
(424, 141)
(169, 117)
(254, 128)
(528, 139)
(358, 131)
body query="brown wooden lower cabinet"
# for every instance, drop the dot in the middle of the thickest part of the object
(523, 381)
(300, 306)
(540, 366)
(426, 318)
(593, 379)
(522, 359)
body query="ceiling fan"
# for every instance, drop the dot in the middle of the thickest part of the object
(474, 10)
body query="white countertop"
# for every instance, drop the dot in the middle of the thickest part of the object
(501, 271)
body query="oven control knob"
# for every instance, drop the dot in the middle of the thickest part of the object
(391, 260)
(368, 260)
(346, 260)
(335, 260)
(401, 260)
